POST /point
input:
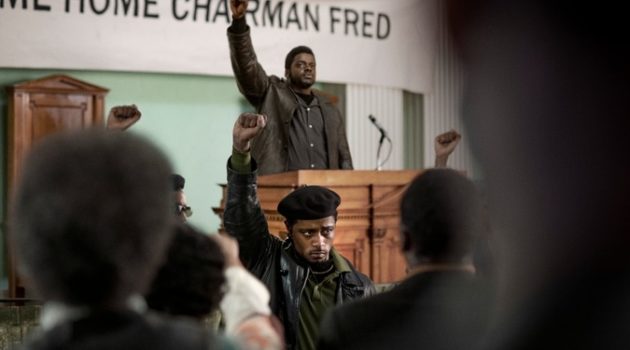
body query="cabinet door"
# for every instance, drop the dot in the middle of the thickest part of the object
(50, 113)
(39, 108)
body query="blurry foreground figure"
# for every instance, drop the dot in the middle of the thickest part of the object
(546, 110)
(201, 274)
(182, 210)
(191, 281)
(92, 221)
(441, 304)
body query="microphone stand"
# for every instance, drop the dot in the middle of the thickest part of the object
(379, 164)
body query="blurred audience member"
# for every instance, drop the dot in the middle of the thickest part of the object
(182, 210)
(545, 106)
(90, 260)
(191, 282)
(91, 223)
(444, 145)
(483, 255)
(120, 118)
(441, 305)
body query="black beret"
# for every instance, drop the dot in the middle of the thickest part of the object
(309, 203)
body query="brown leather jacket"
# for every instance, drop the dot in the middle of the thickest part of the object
(271, 95)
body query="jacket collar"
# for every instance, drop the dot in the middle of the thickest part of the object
(339, 261)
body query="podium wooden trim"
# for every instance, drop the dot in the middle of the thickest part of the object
(367, 230)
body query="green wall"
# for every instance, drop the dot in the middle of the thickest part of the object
(189, 117)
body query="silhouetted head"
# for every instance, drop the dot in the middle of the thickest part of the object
(92, 216)
(191, 281)
(440, 217)
(182, 210)
(554, 158)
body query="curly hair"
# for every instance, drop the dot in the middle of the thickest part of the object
(191, 281)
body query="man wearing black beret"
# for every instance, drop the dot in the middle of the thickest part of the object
(304, 273)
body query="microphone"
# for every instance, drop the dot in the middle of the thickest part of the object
(377, 125)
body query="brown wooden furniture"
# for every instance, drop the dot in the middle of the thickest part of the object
(367, 230)
(38, 108)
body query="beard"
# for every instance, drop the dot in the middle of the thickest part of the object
(301, 83)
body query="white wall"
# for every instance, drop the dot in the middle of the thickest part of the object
(386, 105)
(443, 104)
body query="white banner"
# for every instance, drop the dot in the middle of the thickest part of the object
(376, 42)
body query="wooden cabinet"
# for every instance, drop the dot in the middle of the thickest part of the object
(367, 230)
(38, 108)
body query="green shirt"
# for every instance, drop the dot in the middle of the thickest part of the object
(315, 300)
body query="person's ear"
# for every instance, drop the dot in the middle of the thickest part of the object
(287, 74)
(289, 233)
(406, 245)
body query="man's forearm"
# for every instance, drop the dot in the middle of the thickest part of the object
(238, 26)
(440, 161)
(250, 75)
(243, 218)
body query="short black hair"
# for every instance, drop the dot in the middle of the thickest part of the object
(191, 281)
(294, 52)
(92, 216)
(441, 213)
(178, 182)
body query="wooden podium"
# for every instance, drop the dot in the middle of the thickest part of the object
(367, 230)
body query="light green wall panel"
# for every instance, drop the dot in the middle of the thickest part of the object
(189, 117)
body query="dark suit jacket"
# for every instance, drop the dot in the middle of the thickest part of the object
(431, 310)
